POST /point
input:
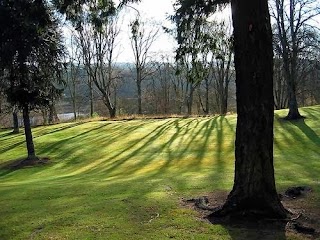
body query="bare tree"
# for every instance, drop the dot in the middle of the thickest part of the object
(192, 60)
(73, 75)
(84, 36)
(98, 40)
(279, 85)
(161, 87)
(313, 87)
(142, 38)
(295, 39)
(222, 65)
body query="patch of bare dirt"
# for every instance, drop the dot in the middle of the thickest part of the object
(22, 163)
(304, 222)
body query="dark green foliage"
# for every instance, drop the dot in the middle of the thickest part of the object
(99, 10)
(31, 53)
(31, 58)
(194, 35)
(193, 11)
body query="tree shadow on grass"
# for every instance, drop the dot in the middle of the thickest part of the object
(170, 157)
(312, 113)
(294, 140)
(185, 134)
(183, 149)
(8, 167)
(307, 131)
(239, 229)
(141, 152)
(9, 134)
(37, 132)
(9, 147)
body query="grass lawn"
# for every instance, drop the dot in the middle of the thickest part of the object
(125, 179)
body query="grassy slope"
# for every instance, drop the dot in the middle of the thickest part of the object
(123, 180)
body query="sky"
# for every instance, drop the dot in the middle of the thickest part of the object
(158, 12)
(153, 11)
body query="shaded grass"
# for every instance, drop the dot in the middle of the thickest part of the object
(124, 179)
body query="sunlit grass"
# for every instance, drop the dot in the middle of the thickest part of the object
(124, 179)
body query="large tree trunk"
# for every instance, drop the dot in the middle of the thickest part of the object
(254, 191)
(28, 134)
(293, 113)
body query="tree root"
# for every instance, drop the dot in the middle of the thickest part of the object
(202, 203)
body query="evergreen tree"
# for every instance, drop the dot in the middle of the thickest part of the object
(30, 54)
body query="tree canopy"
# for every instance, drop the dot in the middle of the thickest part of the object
(31, 52)
(31, 57)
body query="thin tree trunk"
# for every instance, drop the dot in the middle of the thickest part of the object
(45, 115)
(28, 135)
(15, 122)
(224, 107)
(207, 108)
(112, 113)
(91, 98)
(189, 102)
(53, 116)
(139, 91)
(254, 191)
(74, 106)
(111, 109)
(74, 103)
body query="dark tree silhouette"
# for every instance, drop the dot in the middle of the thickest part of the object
(30, 51)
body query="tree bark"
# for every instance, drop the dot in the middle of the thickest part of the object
(15, 122)
(139, 91)
(91, 98)
(111, 107)
(28, 134)
(112, 113)
(293, 113)
(254, 192)
(190, 102)
(74, 106)
(207, 97)
(53, 116)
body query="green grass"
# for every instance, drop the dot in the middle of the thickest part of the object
(124, 179)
